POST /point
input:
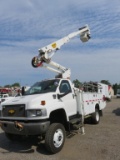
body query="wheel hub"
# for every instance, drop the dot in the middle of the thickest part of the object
(58, 138)
(97, 116)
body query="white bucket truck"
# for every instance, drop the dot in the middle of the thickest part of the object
(51, 107)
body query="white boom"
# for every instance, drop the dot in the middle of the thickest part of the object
(46, 53)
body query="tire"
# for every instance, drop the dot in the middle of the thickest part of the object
(96, 116)
(55, 138)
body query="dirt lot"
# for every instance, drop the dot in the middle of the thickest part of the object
(101, 142)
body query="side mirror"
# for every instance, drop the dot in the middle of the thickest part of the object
(64, 94)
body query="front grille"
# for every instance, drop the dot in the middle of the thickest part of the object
(13, 110)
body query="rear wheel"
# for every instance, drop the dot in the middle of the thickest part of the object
(55, 137)
(96, 116)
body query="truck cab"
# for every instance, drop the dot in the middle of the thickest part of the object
(47, 104)
(42, 97)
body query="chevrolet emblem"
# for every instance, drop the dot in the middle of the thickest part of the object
(11, 111)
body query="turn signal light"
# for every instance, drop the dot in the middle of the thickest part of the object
(43, 103)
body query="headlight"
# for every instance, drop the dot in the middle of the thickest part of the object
(36, 113)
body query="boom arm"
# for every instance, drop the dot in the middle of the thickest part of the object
(46, 53)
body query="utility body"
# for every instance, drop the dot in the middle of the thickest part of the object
(52, 107)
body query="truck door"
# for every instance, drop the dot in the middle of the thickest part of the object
(69, 99)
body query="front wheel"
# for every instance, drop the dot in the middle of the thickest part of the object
(55, 137)
(96, 116)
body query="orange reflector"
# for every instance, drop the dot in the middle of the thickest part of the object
(43, 103)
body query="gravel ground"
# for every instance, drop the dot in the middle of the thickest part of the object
(100, 142)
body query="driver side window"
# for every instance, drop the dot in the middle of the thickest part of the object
(65, 87)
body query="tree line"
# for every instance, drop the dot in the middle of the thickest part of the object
(12, 85)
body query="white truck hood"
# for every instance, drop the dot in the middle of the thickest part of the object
(31, 101)
(24, 99)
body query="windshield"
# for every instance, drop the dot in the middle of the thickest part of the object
(43, 87)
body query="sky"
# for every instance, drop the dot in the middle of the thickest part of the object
(28, 25)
